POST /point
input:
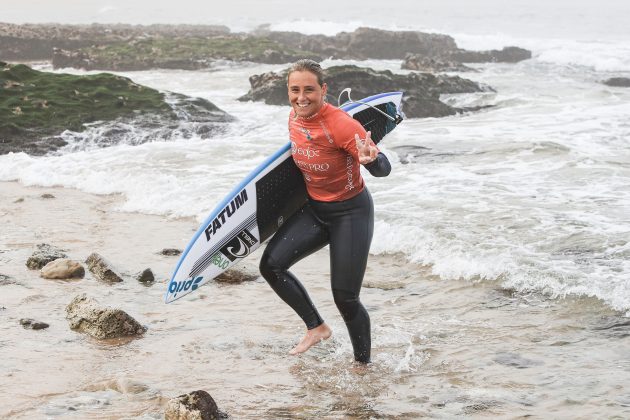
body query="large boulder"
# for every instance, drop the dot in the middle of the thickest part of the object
(86, 315)
(421, 90)
(63, 268)
(197, 405)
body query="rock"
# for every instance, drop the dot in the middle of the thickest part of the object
(85, 315)
(36, 41)
(6, 280)
(43, 255)
(197, 405)
(364, 43)
(421, 90)
(101, 269)
(114, 105)
(432, 65)
(171, 251)
(28, 323)
(63, 268)
(237, 275)
(618, 82)
(506, 55)
(145, 276)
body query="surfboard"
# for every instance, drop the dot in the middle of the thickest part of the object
(254, 210)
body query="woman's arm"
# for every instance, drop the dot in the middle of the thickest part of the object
(380, 166)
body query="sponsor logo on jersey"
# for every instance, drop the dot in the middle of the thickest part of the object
(307, 152)
(191, 284)
(225, 214)
(240, 246)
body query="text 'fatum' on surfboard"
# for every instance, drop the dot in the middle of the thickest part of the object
(226, 213)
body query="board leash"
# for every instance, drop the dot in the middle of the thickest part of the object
(397, 119)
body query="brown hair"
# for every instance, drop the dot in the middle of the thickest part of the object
(306, 64)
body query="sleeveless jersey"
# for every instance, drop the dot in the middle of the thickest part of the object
(324, 148)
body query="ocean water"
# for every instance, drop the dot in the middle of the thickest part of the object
(507, 232)
(533, 192)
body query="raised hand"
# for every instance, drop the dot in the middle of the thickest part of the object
(366, 148)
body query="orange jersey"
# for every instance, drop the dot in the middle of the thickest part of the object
(324, 148)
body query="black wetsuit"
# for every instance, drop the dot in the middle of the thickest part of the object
(347, 226)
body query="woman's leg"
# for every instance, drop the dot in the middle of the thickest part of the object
(297, 238)
(351, 231)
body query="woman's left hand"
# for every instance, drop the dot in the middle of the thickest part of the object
(366, 148)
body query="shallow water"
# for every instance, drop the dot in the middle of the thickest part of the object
(441, 349)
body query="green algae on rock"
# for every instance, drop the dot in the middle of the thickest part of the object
(36, 106)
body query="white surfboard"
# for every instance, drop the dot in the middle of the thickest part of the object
(254, 210)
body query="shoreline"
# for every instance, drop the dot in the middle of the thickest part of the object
(440, 348)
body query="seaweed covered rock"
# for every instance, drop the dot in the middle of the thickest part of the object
(36, 106)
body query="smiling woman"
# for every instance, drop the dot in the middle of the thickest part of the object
(327, 146)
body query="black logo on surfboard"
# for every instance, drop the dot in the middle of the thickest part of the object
(240, 245)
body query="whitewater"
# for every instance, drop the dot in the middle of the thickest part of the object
(499, 280)
(532, 192)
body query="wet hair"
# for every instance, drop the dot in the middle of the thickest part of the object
(309, 65)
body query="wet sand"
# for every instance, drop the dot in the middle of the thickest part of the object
(441, 349)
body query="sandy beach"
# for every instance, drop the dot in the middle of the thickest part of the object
(440, 349)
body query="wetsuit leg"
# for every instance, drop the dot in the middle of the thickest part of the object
(301, 235)
(351, 225)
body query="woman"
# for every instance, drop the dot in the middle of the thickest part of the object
(327, 146)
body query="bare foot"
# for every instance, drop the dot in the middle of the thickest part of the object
(312, 337)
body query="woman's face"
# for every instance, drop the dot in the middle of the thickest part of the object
(305, 94)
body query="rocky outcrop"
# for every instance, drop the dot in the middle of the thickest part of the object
(127, 47)
(102, 269)
(44, 254)
(618, 82)
(432, 65)
(85, 315)
(421, 90)
(366, 43)
(63, 268)
(42, 105)
(36, 41)
(506, 55)
(177, 53)
(196, 405)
